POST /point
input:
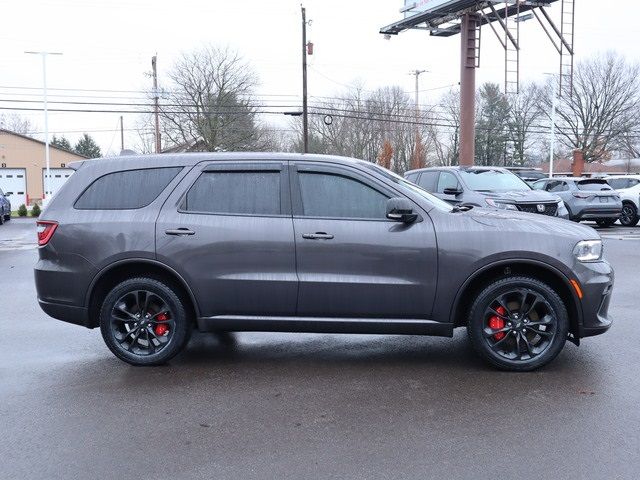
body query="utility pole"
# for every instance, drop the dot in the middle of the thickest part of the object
(417, 75)
(156, 106)
(47, 183)
(305, 119)
(121, 134)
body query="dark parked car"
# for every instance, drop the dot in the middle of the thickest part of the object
(5, 208)
(147, 247)
(488, 187)
(585, 198)
(528, 175)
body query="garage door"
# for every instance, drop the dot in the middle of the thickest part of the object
(13, 181)
(58, 177)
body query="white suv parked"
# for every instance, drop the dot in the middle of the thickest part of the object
(628, 186)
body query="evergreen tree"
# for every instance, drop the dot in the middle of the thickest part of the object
(87, 146)
(61, 142)
(491, 125)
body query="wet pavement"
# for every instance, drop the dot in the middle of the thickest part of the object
(300, 406)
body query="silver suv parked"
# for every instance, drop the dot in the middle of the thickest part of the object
(148, 247)
(585, 198)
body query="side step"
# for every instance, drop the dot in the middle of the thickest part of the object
(380, 326)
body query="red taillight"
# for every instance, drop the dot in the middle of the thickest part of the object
(46, 229)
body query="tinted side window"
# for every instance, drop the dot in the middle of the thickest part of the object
(335, 196)
(619, 183)
(129, 189)
(539, 185)
(428, 181)
(556, 186)
(412, 177)
(248, 193)
(447, 180)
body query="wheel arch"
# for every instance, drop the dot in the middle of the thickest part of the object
(119, 271)
(506, 268)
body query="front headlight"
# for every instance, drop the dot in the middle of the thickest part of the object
(504, 206)
(588, 250)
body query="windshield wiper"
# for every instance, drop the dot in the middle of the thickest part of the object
(461, 208)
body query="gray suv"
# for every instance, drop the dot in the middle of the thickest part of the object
(488, 187)
(585, 198)
(149, 247)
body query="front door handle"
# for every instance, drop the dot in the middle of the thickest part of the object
(317, 236)
(179, 231)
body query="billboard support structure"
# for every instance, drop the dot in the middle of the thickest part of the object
(445, 18)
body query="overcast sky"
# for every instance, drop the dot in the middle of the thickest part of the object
(107, 47)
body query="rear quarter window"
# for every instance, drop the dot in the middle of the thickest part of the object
(129, 189)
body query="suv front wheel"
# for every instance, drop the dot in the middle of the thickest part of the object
(144, 322)
(518, 324)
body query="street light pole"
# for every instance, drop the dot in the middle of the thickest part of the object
(417, 96)
(305, 120)
(552, 130)
(47, 183)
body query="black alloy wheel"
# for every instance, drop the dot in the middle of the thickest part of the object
(143, 322)
(518, 323)
(629, 217)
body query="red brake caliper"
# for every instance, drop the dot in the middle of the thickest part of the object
(497, 323)
(159, 328)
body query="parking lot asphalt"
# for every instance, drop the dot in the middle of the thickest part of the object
(301, 406)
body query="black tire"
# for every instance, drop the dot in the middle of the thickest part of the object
(605, 222)
(2, 219)
(130, 317)
(629, 216)
(7, 218)
(542, 298)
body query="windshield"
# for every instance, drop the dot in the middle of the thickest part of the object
(439, 204)
(488, 180)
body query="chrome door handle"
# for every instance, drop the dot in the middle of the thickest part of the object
(179, 231)
(317, 236)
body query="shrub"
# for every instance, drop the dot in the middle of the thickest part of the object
(22, 210)
(35, 211)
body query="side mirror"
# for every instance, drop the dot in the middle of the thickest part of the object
(452, 191)
(401, 210)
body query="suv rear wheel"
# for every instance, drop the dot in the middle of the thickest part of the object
(144, 322)
(629, 216)
(518, 324)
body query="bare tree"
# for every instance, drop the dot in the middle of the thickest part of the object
(524, 113)
(444, 132)
(602, 107)
(145, 142)
(363, 121)
(17, 124)
(209, 104)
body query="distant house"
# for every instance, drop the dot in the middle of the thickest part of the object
(562, 166)
(23, 168)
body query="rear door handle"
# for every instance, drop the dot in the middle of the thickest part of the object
(179, 231)
(317, 236)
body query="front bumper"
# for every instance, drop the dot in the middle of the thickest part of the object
(596, 280)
